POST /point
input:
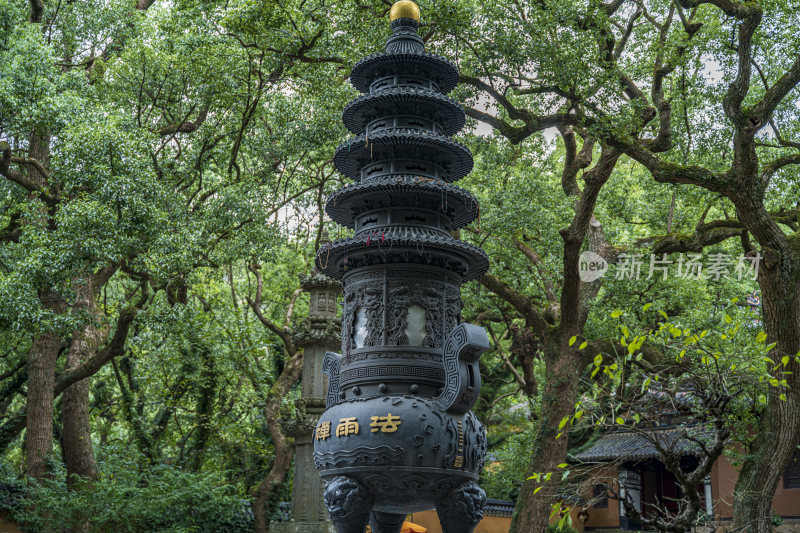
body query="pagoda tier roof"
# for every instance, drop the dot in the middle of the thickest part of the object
(359, 151)
(408, 247)
(374, 66)
(402, 191)
(403, 100)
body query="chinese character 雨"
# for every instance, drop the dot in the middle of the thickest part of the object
(323, 430)
(347, 426)
(385, 424)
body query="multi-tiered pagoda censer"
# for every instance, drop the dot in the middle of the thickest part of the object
(398, 435)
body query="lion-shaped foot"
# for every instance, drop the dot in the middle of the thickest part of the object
(462, 509)
(349, 504)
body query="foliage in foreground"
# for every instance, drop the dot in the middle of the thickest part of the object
(129, 497)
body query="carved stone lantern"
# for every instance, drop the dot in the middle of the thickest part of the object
(398, 435)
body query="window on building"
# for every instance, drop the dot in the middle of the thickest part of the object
(791, 476)
(600, 496)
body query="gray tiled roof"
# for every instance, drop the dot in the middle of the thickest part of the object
(499, 508)
(639, 445)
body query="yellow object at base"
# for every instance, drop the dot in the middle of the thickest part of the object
(408, 527)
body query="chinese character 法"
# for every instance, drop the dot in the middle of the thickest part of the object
(385, 424)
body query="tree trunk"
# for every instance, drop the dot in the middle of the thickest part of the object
(77, 441)
(284, 446)
(533, 508)
(563, 362)
(779, 429)
(41, 378)
(45, 347)
(205, 409)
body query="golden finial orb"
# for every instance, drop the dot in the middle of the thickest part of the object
(404, 9)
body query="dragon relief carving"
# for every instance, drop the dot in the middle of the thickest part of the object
(369, 297)
(426, 296)
(453, 307)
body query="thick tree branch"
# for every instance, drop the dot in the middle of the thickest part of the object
(704, 235)
(574, 161)
(186, 126)
(519, 301)
(771, 168)
(290, 309)
(113, 348)
(534, 258)
(18, 177)
(284, 333)
(531, 123)
(509, 366)
(775, 94)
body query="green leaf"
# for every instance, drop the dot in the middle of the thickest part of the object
(563, 422)
(619, 420)
(761, 337)
(583, 345)
(647, 306)
(562, 465)
(616, 314)
(572, 340)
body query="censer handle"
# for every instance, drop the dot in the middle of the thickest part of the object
(462, 375)
(331, 365)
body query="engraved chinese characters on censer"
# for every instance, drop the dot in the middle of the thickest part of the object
(398, 435)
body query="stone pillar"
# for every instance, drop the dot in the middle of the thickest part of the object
(319, 333)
